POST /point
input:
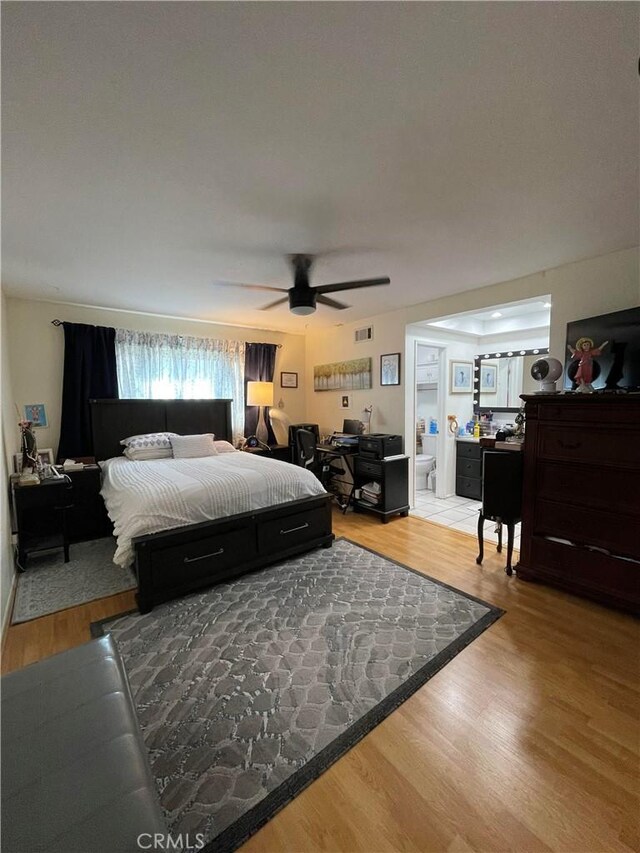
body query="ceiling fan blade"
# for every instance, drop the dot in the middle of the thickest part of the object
(273, 304)
(251, 286)
(351, 285)
(332, 303)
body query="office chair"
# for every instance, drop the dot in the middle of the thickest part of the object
(308, 457)
(306, 447)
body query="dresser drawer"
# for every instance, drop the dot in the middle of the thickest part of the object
(616, 533)
(469, 487)
(589, 445)
(293, 530)
(580, 486)
(468, 450)
(206, 557)
(606, 579)
(468, 467)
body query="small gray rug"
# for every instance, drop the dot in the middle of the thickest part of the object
(250, 690)
(49, 584)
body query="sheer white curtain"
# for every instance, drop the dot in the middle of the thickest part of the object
(152, 367)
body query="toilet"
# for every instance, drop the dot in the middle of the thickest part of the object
(425, 461)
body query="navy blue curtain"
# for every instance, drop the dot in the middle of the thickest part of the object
(259, 364)
(89, 373)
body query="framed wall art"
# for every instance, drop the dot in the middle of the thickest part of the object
(288, 380)
(36, 413)
(343, 375)
(390, 368)
(461, 381)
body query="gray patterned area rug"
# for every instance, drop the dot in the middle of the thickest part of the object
(49, 584)
(250, 690)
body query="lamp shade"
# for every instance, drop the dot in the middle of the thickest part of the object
(259, 393)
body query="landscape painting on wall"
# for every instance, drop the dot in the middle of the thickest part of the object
(351, 375)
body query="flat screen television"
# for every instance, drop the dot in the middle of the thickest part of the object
(617, 366)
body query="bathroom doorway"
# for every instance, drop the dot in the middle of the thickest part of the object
(430, 378)
(459, 339)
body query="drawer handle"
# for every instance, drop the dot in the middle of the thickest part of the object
(204, 556)
(293, 529)
(565, 445)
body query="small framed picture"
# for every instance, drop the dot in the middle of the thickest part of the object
(488, 375)
(288, 380)
(36, 413)
(461, 377)
(345, 401)
(46, 456)
(390, 368)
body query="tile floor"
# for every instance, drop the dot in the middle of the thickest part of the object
(458, 514)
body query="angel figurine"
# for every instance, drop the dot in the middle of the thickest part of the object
(585, 351)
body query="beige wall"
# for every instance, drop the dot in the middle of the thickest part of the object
(36, 349)
(583, 289)
(8, 437)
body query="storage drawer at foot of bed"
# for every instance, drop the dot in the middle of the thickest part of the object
(204, 558)
(292, 530)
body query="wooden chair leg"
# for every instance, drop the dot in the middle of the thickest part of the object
(510, 529)
(499, 532)
(480, 538)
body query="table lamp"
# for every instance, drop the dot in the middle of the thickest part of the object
(260, 394)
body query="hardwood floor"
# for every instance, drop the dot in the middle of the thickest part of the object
(526, 741)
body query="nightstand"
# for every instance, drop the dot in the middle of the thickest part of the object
(275, 451)
(40, 517)
(87, 518)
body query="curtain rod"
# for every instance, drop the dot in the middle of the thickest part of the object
(57, 322)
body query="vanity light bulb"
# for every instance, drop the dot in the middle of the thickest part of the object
(498, 354)
(536, 351)
(509, 353)
(522, 352)
(486, 355)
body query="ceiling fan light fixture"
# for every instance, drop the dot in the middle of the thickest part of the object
(302, 300)
(302, 297)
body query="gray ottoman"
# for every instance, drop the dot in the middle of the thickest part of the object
(75, 775)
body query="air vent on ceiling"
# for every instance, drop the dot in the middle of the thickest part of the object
(362, 335)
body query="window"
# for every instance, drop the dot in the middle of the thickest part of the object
(153, 367)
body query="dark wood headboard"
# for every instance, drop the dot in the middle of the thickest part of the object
(113, 420)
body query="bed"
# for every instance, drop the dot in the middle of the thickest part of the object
(179, 529)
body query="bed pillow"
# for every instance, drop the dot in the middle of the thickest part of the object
(139, 454)
(224, 447)
(149, 439)
(192, 446)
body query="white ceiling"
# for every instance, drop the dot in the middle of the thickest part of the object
(150, 149)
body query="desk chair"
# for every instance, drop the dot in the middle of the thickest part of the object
(306, 452)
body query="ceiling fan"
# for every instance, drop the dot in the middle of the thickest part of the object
(302, 297)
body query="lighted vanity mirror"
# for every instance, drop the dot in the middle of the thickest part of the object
(501, 377)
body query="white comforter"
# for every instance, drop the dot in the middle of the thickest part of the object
(158, 494)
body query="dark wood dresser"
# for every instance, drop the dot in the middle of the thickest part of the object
(581, 498)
